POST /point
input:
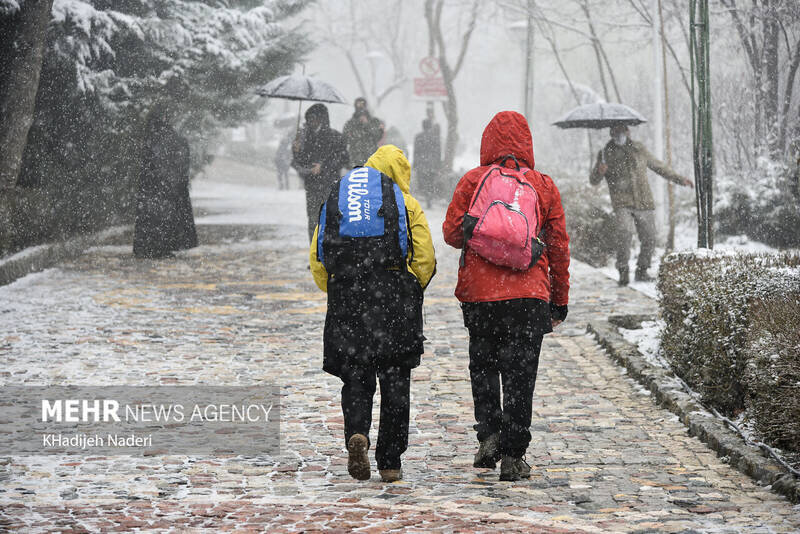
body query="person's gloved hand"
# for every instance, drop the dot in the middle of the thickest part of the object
(558, 314)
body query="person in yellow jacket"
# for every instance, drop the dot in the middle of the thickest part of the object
(373, 326)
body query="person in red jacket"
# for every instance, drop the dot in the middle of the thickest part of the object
(507, 311)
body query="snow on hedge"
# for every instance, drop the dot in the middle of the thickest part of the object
(732, 332)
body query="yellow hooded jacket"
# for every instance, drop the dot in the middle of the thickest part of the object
(391, 161)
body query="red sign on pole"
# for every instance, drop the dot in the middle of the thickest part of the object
(431, 86)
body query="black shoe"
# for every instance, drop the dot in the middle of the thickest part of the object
(357, 461)
(391, 475)
(512, 469)
(623, 278)
(488, 452)
(642, 276)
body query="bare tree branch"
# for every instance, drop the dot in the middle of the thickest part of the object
(465, 39)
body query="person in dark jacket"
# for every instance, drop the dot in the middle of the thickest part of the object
(427, 160)
(164, 219)
(373, 327)
(320, 153)
(362, 132)
(508, 311)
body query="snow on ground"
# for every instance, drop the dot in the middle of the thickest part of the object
(235, 203)
(648, 340)
(685, 239)
(22, 254)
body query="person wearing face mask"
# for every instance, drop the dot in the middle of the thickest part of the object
(319, 155)
(623, 163)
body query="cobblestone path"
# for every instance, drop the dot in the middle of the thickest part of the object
(242, 309)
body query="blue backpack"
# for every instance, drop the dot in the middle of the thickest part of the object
(363, 225)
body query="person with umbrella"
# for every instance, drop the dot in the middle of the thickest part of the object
(320, 153)
(623, 163)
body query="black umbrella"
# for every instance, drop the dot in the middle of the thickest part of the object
(600, 115)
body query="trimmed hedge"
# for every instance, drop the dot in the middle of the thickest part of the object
(732, 332)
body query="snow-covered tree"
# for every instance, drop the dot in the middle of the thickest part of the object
(107, 63)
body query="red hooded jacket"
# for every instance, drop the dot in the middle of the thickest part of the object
(482, 281)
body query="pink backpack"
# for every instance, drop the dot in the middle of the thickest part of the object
(502, 222)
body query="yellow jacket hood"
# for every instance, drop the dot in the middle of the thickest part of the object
(391, 161)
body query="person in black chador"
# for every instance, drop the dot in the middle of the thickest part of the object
(320, 153)
(164, 219)
(427, 160)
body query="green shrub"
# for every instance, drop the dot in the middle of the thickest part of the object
(731, 332)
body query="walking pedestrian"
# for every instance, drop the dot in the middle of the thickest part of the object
(164, 220)
(373, 253)
(320, 153)
(392, 136)
(508, 310)
(427, 160)
(623, 163)
(362, 132)
(283, 158)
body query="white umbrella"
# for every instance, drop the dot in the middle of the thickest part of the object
(600, 115)
(301, 87)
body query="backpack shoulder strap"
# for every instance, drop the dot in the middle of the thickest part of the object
(391, 217)
(329, 222)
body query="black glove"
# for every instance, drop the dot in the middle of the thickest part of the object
(558, 313)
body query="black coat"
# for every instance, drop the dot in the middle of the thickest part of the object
(327, 147)
(427, 159)
(373, 320)
(164, 218)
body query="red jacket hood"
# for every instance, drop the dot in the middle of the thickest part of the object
(507, 133)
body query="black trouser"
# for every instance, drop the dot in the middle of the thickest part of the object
(504, 342)
(358, 391)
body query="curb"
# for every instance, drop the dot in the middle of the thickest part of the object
(710, 430)
(41, 257)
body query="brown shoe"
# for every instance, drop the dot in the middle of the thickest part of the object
(391, 475)
(357, 461)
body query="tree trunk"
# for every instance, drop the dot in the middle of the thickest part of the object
(433, 16)
(22, 50)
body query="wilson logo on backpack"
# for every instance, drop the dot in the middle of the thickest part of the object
(358, 206)
(502, 222)
(363, 224)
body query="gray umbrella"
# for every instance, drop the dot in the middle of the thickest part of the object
(301, 87)
(600, 115)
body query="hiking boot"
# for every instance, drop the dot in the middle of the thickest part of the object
(357, 461)
(642, 276)
(488, 453)
(512, 469)
(623, 278)
(391, 475)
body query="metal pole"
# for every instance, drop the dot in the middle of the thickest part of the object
(528, 97)
(701, 121)
(667, 132)
(658, 122)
